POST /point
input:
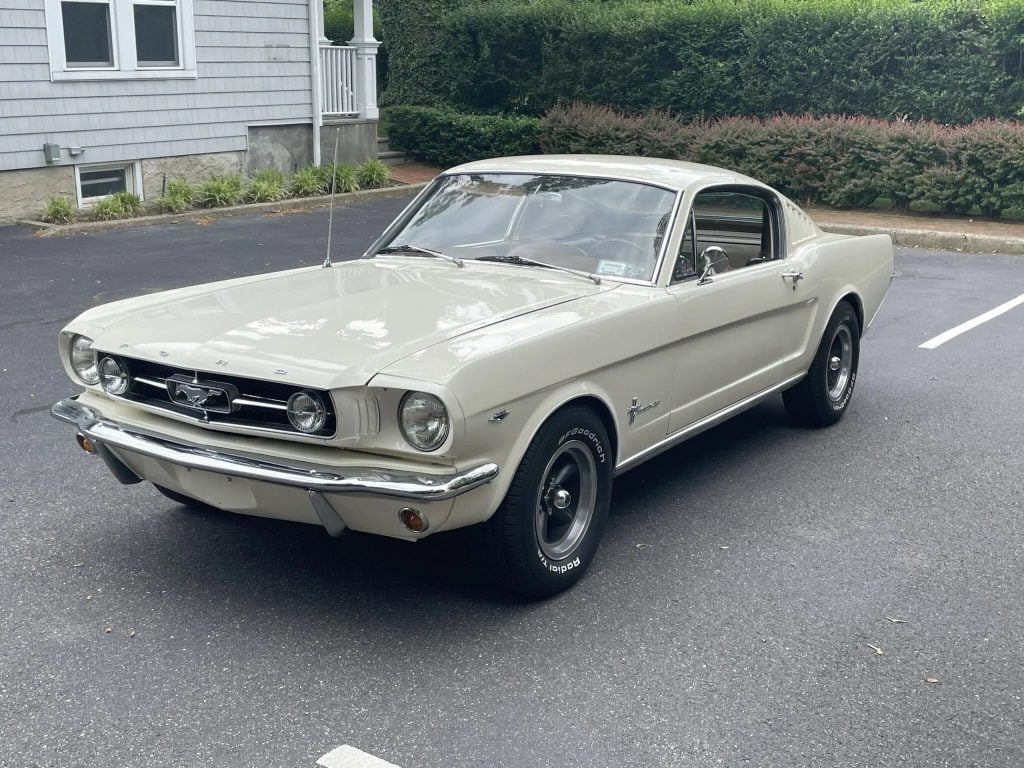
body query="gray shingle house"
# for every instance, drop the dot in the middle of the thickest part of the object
(98, 96)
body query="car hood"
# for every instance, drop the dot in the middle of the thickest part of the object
(325, 328)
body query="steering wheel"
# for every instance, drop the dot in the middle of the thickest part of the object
(611, 249)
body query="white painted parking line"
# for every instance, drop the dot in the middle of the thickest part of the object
(350, 757)
(952, 333)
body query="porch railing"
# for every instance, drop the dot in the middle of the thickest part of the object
(338, 81)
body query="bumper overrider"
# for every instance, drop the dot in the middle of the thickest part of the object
(99, 435)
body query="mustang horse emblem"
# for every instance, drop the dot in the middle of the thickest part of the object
(196, 396)
(202, 395)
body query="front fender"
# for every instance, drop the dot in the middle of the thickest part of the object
(506, 440)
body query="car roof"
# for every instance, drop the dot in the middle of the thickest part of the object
(669, 173)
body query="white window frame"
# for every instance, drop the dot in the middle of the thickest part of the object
(132, 180)
(122, 32)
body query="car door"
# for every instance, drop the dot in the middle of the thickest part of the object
(742, 311)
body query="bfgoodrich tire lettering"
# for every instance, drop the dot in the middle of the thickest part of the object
(547, 529)
(822, 396)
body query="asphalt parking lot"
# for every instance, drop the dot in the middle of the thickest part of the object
(764, 595)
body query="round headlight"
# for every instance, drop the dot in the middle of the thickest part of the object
(306, 412)
(83, 359)
(113, 376)
(424, 421)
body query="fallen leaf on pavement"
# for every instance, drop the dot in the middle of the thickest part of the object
(931, 679)
(642, 546)
(77, 565)
(896, 621)
(876, 648)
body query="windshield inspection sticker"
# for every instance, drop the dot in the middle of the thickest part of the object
(614, 268)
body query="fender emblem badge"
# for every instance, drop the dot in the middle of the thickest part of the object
(499, 416)
(636, 409)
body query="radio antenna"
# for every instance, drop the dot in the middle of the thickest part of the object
(334, 183)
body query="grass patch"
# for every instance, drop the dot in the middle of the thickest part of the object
(58, 211)
(221, 190)
(373, 174)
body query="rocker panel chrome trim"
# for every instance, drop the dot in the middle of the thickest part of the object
(706, 423)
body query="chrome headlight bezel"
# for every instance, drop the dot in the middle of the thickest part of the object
(113, 375)
(82, 359)
(313, 405)
(414, 410)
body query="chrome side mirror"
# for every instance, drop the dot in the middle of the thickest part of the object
(708, 257)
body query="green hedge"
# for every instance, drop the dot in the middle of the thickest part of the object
(443, 137)
(975, 169)
(942, 60)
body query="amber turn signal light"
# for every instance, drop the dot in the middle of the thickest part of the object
(413, 519)
(85, 443)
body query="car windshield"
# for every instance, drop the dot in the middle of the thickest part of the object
(600, 226)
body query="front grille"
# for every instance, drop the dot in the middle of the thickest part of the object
(255, 404)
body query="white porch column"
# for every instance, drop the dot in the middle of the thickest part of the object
(321, 39)
(366, 59)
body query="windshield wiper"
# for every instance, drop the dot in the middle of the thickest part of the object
(408, 248)
(535, 263)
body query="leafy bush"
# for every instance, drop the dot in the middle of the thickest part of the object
(308, 181)
(841, 161)
(172, 204)
(373, 174)
(265, 189)
(445, 137)
(943, 60)
(120, 205)
(221, 190)
(58, 210)
(344, 175)
(271, 175)
(178, 196)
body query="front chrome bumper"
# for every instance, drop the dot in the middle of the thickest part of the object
(104, 434)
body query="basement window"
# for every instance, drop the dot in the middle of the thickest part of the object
(94, 182)
(120, 39)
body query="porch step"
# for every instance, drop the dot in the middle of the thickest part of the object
(391, 157)
(383, 144)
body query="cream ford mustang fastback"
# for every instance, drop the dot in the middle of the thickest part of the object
(526, 330)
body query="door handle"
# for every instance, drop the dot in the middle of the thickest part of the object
(793, 275)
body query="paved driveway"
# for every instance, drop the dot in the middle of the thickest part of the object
(728, 620)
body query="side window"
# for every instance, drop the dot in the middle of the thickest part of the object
(738, 223)
(686, 261)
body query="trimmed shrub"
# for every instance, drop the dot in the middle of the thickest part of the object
(221, 190)
(58, 210)
(951, 61)
(840, 161)
(445, 137)
(373, 174)
(308, 181)
(120, 205)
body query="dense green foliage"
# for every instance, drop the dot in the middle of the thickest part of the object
(975, 169)
(416, 54)
(58, 210)
(120, 205)
(942, 60)
(445, 137)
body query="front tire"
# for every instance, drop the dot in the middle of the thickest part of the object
(822, 396)
(546, 531)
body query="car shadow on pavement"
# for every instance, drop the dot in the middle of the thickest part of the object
(297, 571)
